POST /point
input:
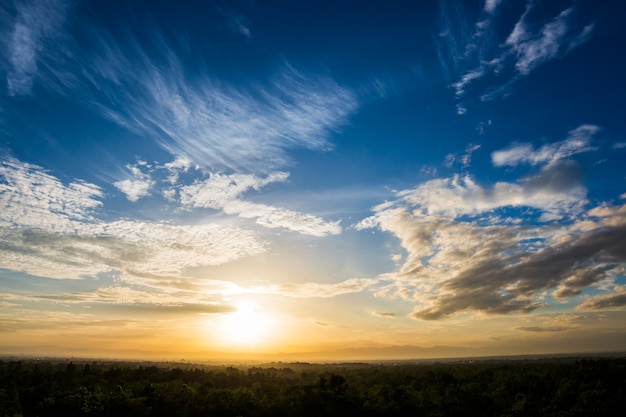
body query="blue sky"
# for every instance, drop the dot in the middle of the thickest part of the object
(331, 174)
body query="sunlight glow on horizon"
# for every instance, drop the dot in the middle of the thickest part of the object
(247, 327)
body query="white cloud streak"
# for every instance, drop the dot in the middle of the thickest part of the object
(222, 192)
(220, 127)
(35, 29)
(482, 59)
(578, 141)
(317, 290)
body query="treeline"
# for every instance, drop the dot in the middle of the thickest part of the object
(583, 387)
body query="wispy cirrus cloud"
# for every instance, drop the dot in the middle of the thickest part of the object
(237, 23)
(553, 39)
(478, 57)
(32, 37)
(217, 128)
(472, 248)
(247, 128)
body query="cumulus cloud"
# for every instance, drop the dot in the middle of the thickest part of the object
(134, 189)
(140, 183)
(555, 191)
(500, 248)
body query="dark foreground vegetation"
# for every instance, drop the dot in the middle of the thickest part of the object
(565, 387)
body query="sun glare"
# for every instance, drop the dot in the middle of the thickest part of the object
(247, 326)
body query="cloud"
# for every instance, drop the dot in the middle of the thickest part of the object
(314, 290)
(555, 191)
(216, 128)
(600, 302)
(140, 82)
(479, 57)
(491, 5)
(538, 329)
(128, 299)
(239, 25)
(220, 189)
(222, 127)
(533, 49)
(222, 192)
(30, 197)
(507, 276)
(578, 141)
(36, 27)
(465, 159)
(384, 314)
(466, 79)
(140, 183)
(134, 190)
(274, 217)
(500, 248)
(51, 229)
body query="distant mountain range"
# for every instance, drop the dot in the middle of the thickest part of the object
(379, 353)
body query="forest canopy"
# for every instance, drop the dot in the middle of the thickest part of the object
(557, 387)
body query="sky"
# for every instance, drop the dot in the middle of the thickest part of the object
(336, 179)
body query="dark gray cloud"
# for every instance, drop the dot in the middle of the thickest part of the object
(504, 284)
(617, 299)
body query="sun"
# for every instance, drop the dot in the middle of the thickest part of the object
(248, 326)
